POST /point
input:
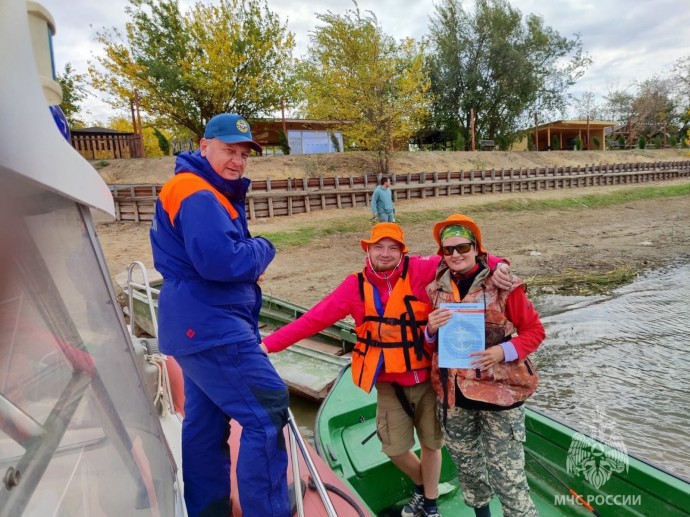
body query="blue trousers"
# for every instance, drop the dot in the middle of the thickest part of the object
(235, 381)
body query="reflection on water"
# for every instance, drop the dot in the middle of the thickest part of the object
(305, 413)
(627, 354)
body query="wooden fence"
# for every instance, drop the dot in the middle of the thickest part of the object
(276, 198)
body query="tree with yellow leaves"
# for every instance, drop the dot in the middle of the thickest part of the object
(357, 74)
(233, 56)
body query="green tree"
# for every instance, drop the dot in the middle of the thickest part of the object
(73, 92)
(357, 74)
(618, 106)
(234, 56)
(501, 65)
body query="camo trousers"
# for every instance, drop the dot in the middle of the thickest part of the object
(487, 447)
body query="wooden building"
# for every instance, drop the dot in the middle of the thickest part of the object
(542, 136)
(304, 136)
(102, 143)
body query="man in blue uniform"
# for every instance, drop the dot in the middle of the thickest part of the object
(208, 320)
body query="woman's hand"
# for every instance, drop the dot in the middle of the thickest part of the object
(487, 358)
(437, 318)
(502, 276)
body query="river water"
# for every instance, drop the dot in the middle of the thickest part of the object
(616, 366)
(620, 365)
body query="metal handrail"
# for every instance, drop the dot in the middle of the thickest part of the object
(294, 433)
(149, 292)
(296, 480)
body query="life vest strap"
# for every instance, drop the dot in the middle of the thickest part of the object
(381, 344)
(402, 398)
(395, 321)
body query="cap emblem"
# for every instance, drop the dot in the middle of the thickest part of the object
(242, 125)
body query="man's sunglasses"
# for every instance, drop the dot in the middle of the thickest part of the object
(460, 248)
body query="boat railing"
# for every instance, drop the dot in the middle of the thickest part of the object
(143, 292)
(296, 440)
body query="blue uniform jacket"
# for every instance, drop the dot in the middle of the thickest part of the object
(209, 261)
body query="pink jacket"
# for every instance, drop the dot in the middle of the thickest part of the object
(345, 301)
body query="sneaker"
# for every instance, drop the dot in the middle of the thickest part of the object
(413, 508)
(434, 514)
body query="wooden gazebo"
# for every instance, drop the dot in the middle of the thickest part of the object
(567, 132)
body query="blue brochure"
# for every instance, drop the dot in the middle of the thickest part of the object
(461, 336)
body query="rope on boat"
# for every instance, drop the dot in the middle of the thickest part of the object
(341, 493)
(163, 391)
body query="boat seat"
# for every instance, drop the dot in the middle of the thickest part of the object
(367, 457)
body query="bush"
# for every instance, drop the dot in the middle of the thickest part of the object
(336, 144)
(283, 142)
(621, 141)
(596, 142)
(578, 143)
(460, 142)
(163, 143)
(555, 143)
(642, 142)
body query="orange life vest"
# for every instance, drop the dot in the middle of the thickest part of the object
(394, 341)
(504, 384)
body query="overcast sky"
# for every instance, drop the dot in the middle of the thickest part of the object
(628, 40)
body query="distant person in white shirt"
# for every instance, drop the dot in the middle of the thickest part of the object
(382, 206)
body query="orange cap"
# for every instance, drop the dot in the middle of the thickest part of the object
(383, 231)
(460, 220)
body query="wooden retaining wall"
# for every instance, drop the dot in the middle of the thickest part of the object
(277, 198)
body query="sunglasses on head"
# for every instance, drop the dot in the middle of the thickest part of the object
(460, 248)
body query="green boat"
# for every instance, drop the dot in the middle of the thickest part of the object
(309, 367)
(346, 423)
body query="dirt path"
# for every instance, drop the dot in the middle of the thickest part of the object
(545, 246)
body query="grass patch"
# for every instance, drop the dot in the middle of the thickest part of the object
(291, 238)
(582, 283)
(346, 225)
(613, 198)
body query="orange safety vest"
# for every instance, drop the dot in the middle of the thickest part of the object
(394, 341)
(504, 384)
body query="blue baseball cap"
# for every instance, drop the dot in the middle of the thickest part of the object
(231, 129)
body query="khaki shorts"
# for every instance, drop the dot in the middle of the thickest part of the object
(394, 426)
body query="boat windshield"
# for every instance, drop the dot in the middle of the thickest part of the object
(78, 432)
